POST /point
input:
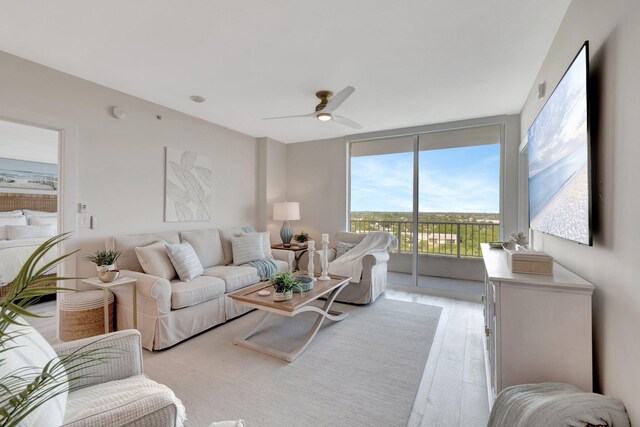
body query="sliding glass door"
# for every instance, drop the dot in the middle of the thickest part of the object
(438, 192)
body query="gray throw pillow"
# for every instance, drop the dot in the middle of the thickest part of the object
(344, 247)
(185, 260)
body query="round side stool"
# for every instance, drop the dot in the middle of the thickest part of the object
(81, 314)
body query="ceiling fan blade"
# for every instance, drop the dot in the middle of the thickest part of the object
(346, 122)
(291, 117)
(337, 99)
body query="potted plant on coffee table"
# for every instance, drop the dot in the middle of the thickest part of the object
(104, 259)
(283, 284)
(302, 238)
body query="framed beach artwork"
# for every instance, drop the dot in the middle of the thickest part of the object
(187, 186)
(22, 174)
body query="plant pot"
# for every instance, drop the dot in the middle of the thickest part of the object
(302, 245)
(108, 267)
(284, 296)
(306, 283)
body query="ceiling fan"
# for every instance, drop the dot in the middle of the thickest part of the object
(325, 109)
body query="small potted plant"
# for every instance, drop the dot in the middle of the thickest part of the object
(302, 238)
(104, 259)
(283, 284)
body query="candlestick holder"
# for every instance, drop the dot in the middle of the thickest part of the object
(324, 260)
(311, 250)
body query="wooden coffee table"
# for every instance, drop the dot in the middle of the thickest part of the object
(300, 303)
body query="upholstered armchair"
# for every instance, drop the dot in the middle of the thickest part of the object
(113, 393)
(374, 271)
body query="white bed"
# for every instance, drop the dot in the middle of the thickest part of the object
(14, 253)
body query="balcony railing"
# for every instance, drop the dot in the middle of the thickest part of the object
(459, 239)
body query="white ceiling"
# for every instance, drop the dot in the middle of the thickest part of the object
(412, 62)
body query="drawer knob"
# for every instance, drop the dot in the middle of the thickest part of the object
(487, 331)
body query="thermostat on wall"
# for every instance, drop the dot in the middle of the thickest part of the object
(118, 112)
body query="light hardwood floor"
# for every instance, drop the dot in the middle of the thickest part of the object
(453, 388)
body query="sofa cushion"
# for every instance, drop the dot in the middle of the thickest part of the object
(185, 260)
(155, 260)
(247, 247)
(207, 245)
(200, 289)
(225, 238)
(127, 244)
(123, 402)
(30, 352)
(235, 277)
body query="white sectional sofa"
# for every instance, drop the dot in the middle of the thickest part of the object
(172, 311)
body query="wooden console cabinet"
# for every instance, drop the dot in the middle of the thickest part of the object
(537, 328)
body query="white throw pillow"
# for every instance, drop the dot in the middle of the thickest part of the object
(4, 221)
(17, 232)
(30, 352)
(344, 247)
(45, 220)
(5, 214)
(185, 260)
(30, 213)
(155, 260)
(247, 247)
(266, 243)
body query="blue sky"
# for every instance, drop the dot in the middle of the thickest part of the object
(451, 180)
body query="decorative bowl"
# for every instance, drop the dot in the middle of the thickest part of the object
(108, 276)
(306, 283)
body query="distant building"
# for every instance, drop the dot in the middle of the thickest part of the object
(442, 238)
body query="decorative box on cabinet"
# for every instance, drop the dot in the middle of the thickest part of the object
(537, 328)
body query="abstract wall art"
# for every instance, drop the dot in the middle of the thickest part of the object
(188, 187)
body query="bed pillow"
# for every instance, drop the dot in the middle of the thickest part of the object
(155, 260)
(44, 220)
(344, 247)
(185, 260)
(5, 221)
(247, 247)
(29, 213)
(5, 214)
(17, 232)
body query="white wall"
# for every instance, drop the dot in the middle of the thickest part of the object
(272, 183)
(118, 170)
(613, 30)
(317, 179)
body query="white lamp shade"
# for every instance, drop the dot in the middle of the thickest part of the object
(286, 211)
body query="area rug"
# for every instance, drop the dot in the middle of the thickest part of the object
(362, 371)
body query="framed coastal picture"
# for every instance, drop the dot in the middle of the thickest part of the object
(187, 186)
(22, 174)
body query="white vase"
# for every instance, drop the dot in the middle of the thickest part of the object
(282, 296)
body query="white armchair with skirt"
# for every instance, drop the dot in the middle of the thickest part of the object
(372, 282)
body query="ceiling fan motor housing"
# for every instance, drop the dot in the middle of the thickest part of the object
(324, 96)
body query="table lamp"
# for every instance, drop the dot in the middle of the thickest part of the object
(286, 211)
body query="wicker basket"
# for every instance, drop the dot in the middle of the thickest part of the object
(82, 314)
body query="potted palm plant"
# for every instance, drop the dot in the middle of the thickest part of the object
(104, 259)
(284, 284)
(302, 238)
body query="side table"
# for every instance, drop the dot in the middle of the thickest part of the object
(94, 281)
(299, 251)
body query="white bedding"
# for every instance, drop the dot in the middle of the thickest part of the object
(14, 253)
